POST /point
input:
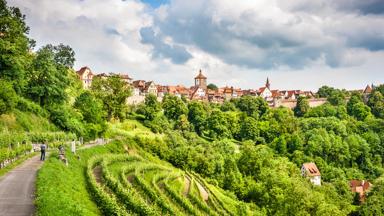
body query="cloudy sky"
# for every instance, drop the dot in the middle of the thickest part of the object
(298, 44)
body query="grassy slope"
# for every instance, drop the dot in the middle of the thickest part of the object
(21, 122)
(62, 190)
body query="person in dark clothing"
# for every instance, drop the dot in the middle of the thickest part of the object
(42, 149)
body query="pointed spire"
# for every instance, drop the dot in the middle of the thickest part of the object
(200, 76)
(267, 84)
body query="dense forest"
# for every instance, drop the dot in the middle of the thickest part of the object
(243, 146)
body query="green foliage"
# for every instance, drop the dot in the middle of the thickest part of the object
(334, 96)
(48, 78)
(113, 92)
(252, 106)
(376, 102)
(249, 129)
(92, 113)
(67, 119)
(380, 89)
(228, 106)
(197, 116)
(150, 108)
(14, 45)
(301, 107)
(217, 125)
(26, 105)
(63, 190)
(8, 97)
(325, 91)
(90, 107)
(328, 110)
(374, 204)
(174, 107)
(212, 86)
(360, 111)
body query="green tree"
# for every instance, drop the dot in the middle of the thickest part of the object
(217, 125)
(325, 91)
(212, 86)
(8, 97)
(182, 123)
(48, 79)
(90, 107)
(376, 102)
(355, 98)
(92, 114)
(151, 107)
(252, 106)
(14, 46)
(360, 111)
(174, 107)
(228, 106)
(249, 129)
(336, 98)
(113, 92)
(197, 115)
(302, 107)
(374, 204)
(380, 89)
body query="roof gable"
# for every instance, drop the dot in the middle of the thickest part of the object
(311, 169)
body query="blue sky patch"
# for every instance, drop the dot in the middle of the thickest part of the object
(155, 3)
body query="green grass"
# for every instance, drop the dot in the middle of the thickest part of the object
(148, 186)
(134, 183)
(19, 121)
(130, 128)
(62, 190)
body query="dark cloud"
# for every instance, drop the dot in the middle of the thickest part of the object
(255, 41)
(176, 53)
(111, 31)
(363, 6)
(266, 49)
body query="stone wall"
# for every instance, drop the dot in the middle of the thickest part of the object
(291, 103)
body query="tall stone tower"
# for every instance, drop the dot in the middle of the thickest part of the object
(201, 81)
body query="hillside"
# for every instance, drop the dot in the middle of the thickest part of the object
(178, 155)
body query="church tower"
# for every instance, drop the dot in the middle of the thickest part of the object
(267, 84)
(201, 81)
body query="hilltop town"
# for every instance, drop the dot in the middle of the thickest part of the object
(201, 91)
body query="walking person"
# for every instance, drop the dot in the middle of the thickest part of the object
(42, 149)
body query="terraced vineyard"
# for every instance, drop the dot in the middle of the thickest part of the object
(134, 185)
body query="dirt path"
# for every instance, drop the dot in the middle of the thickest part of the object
(17, 189)
(203, 192)
(187, 185)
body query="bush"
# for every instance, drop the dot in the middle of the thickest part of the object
(29, 106)
(8, 97)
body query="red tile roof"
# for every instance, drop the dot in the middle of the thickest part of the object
(125, 76)
(360, 187)
(368, 90)
(311, 169)
(82, 71)
(139, 84)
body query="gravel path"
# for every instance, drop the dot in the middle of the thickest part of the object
(17, 189)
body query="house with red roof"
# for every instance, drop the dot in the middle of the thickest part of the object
(310, 171)
(86, 76)
(361, 187)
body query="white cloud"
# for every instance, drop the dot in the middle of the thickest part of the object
(298, 44)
